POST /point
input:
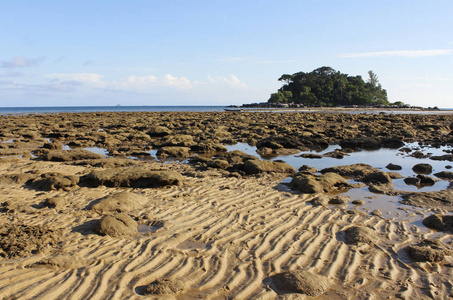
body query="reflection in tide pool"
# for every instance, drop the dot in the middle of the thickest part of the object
(376, 158)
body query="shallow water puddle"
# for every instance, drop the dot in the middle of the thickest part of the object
(147, 228)
(96, 150)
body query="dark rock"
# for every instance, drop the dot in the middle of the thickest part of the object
(426, 180)
(412, 180)
(361, 143)
(429, 250)
(132, 177)
(439, 222)
(302, 282)
(116, 225)
(394, 167)
(444, 175)
(447, 157)
(422, 169)
(208, 147)
(159, 131)
(218, 163)
(358, 202)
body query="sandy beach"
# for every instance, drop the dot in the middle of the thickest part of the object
(88, 212)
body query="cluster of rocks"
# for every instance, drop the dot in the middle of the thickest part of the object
(136, 133)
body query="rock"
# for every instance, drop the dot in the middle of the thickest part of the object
(208, 147)
(317, 184)
(182, 140)
(395, 175)
(429, 250)
(178, 152)
(69, 155)
(359, 234)
(255, 166)
(361, 143)
(438, 199)
(422, 169)
(300, 281)
(358, 202)
(164, 287)
(381, 188)
(18, 240)
(275, 142)
(55, 145)
(376, 213)
(55, 202)
(394, 167)
(218, 163)
(54, 181)
(305, 169)
(447, 157)
(444, 175)
(310, 155)
(132, 177)
(120, 202)
(412, 180)
(439, 222)
(320, 201)
(360, 172)
(159, 131)
(426, 180)
(117, 225)
(339, 200)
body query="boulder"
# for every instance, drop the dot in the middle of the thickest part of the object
(69, 155)
(359, 234)
(164, 287)
(120, 202)
(132, 177)
(255, 166)
(394, 167)
(178, 152)
(54, 181)
(300, 281)
(55, 202)
(429, 250)
(360, 172)
(444, 175)
(116, 225)
(439, 222)
(307, 183)
(422, 169)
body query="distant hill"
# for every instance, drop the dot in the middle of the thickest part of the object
(327, 87)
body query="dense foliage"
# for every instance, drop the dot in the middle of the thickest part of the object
(327, 87)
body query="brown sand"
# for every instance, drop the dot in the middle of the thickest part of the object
(222, 237)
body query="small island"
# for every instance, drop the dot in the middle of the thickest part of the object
(328, 88)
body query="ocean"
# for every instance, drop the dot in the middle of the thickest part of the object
(79, 109)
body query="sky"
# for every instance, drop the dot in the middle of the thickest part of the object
(137, 52)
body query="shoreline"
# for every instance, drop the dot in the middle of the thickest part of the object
(209, 229)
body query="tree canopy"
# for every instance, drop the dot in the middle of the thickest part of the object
(328, 87)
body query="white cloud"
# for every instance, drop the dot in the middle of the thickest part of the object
(21, 62)
(181, 82)
(402, 53)
(232, 81)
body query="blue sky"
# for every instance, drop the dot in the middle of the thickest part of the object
(59, 53)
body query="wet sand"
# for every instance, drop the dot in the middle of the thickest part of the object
(223, 233)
